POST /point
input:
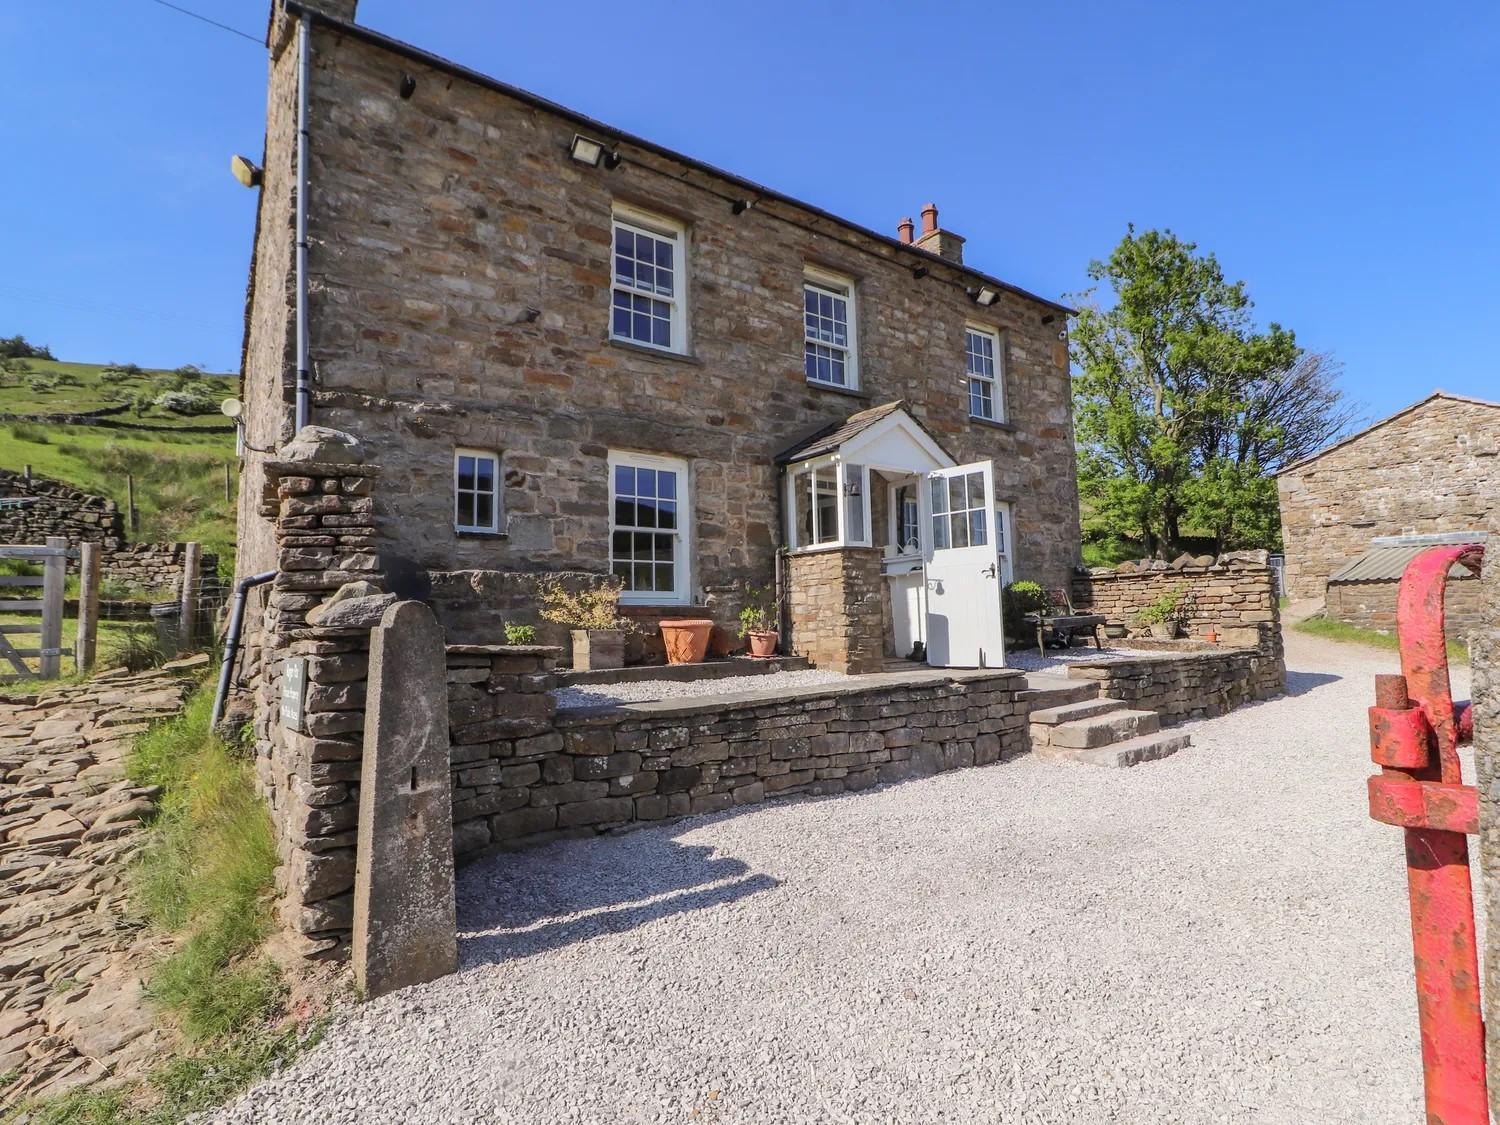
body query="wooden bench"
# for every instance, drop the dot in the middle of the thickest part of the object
(1065, 626)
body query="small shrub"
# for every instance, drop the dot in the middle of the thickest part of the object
(67, 379)
(520, 634)
(1167, 608)
(30, 431)
(136, 649)
(594, 607)
(186, 402)
(42, 384)
(759, 614)
(189, 372)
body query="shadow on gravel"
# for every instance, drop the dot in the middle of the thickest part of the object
(1300, 683)
(587, 894)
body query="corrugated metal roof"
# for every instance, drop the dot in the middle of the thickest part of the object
(1386, 564)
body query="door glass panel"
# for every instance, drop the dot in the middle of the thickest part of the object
(940, 531)
(939, 490)
(956, 494)
(959, 529)
(977, 530)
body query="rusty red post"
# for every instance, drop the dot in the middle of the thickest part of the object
(1415, 729)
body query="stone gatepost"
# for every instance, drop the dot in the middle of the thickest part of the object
(404, 916)
(310, 701)
(1484, 655)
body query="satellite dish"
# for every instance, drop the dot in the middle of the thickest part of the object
(232, 407)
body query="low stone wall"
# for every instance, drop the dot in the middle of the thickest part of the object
(57, 509)
(1237, 590)
(524, 773)
(155, 567)
(1189, 685)
(835, 602)
(1372, 605)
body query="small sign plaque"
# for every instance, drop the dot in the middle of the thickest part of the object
(293, 691)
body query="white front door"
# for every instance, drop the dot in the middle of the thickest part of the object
(963, 581)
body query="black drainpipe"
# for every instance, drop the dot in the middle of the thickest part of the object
(232, 641)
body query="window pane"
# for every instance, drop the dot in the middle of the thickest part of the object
(619, 545)
(975, 482)
(661, 333)
(645, 513)
(955, 494)
(939, 492)
(662, 548)
(811, 362)
(624, 513)
(484, 512)
(465, 516)
(641, 576)
(624, 480)
(978, 533)
(484, 472)
(854, 506)
(939, 532)
(466, 472)
(802, 503)
(645, 482)
(665, 578)
(959, 527)
(666, 514)
(641, 546)
(666, 484)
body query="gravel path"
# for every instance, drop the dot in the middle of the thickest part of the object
(1218, 937)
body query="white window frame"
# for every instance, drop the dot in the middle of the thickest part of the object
(996, 381)
(893, 507)
(681, 554)
(844, 475)
(496, 494)
(1004, 534)
(666, 230)
(843, 288)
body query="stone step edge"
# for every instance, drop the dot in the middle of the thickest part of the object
(1103, 730)
(1057, 696)
(1122, 755)
(1083, 709)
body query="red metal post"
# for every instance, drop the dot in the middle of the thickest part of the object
(1415, 729)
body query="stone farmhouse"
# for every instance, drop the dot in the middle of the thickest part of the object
(572, 350)
(1355, 513)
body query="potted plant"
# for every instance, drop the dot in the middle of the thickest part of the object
(758, 624)
(686, 638)
(593, 616)
(1161, 616)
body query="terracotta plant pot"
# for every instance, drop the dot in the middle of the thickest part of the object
(686, 639)
(763, 643)
(598, 648)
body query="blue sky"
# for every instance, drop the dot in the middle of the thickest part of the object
(1342, 159)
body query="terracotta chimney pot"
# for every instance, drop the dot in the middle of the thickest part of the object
(929, 218)
(905, 229)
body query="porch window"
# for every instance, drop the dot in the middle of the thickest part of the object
(1003, 547)
(828, 330)
(986, 387)
(647, 295)
(648, 504)
(829, 505)
(476, 491)
(906, 520)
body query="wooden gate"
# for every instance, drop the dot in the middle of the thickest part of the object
(48, 651)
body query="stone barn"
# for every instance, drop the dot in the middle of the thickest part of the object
(1355, 513)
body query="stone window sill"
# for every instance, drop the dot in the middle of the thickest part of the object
(1008, 427)
(481, 534)
(653, 353)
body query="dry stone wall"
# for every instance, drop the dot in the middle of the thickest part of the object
(57, 509)
(524, 773)
(835, 606)
(1372, 605)
(1234, 592)
(1433, 468)
(1190, 685)
(153, 567)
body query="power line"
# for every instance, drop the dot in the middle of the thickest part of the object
(213, 23)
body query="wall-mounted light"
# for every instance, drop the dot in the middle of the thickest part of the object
(919, 272)
(740, 206)
(586, 151)
(982, 295)
(1048, 318)
(851, 488)
(408, 86)
(245, 170)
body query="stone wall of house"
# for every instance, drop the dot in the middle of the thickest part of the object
(1372, 605)
(1484, 655)
(835, 604)
(460, 297)
(1433, 468)
(1236, 591)
(58, 509)
(1192, 685)
(319, 499)
(524, 773)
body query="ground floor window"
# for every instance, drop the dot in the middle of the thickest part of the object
(648, 505)
(476, 490)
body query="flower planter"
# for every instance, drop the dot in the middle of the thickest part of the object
(598, 648)
(763, 643)
(1163, 630)
(686, 639)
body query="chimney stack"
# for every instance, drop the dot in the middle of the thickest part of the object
(905, 228)
(943, 243)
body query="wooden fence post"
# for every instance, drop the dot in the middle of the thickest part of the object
(187, 616)
(132, 517)
(54, 578)
(85, 646)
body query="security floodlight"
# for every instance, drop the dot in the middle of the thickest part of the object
(982, 295)
(245, 170)
(586, 151)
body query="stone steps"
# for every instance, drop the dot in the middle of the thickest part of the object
(1044, 691)
(1130, 752)
(1100, 730)
(1067, 712)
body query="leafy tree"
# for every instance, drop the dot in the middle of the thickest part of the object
(18, 347)
(1183, 406)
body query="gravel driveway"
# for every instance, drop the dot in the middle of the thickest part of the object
(1217, 937)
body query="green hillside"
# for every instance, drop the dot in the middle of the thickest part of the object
(179, 476)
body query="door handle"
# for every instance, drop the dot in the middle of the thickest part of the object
(989, 571)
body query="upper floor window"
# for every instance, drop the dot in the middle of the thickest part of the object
(828, 327)
(647, 296)
(986, 385)
(476, 490)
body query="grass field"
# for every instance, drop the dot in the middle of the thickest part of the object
(179, 478)
(1353, 634)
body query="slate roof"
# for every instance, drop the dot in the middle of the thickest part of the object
(832, 436)
(1387, 563)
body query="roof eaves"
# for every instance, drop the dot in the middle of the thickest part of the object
(437, 62)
